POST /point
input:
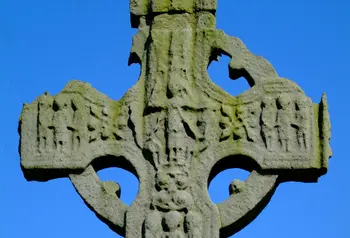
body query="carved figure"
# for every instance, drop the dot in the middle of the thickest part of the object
(79, 125)
(268, 121)
(283, 121)
(194, 123)
(301, 114)
(120, 125)
(247, 121)
(106, 129)
(94, 123)
(153, 225)
(155, 137)
(252, 121)
(194, 225)
(45, 114)
(225, 122)
(239, 131)
(62, 122)
(173, 221)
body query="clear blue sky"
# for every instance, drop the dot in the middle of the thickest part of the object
(44, 44)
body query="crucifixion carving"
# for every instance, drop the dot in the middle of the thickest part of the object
(175, 130)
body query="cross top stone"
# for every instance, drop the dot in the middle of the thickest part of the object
(175, 130)
(150, 8)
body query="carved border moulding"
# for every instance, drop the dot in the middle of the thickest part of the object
(175, 130)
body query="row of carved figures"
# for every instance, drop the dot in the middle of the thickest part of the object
(64, 122)
(278, 123)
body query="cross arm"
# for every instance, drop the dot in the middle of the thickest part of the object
(63, 134)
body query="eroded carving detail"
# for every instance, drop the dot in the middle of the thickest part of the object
(79, 124)
(283, 121)
(268, 117)
(45, 114)
(302, 123)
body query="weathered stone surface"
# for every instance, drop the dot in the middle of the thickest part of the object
(175, 130)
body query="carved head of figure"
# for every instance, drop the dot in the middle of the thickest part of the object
(45, 102)
(61, 102)
(267, 103)
(283, 101)
(301, 104)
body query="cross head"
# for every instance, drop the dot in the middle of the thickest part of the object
(175, 130)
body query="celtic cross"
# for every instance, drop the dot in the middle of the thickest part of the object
(175, 130)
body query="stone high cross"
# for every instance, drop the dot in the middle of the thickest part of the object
(175, 130)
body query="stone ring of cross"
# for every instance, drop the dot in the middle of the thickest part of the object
(175, 130)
